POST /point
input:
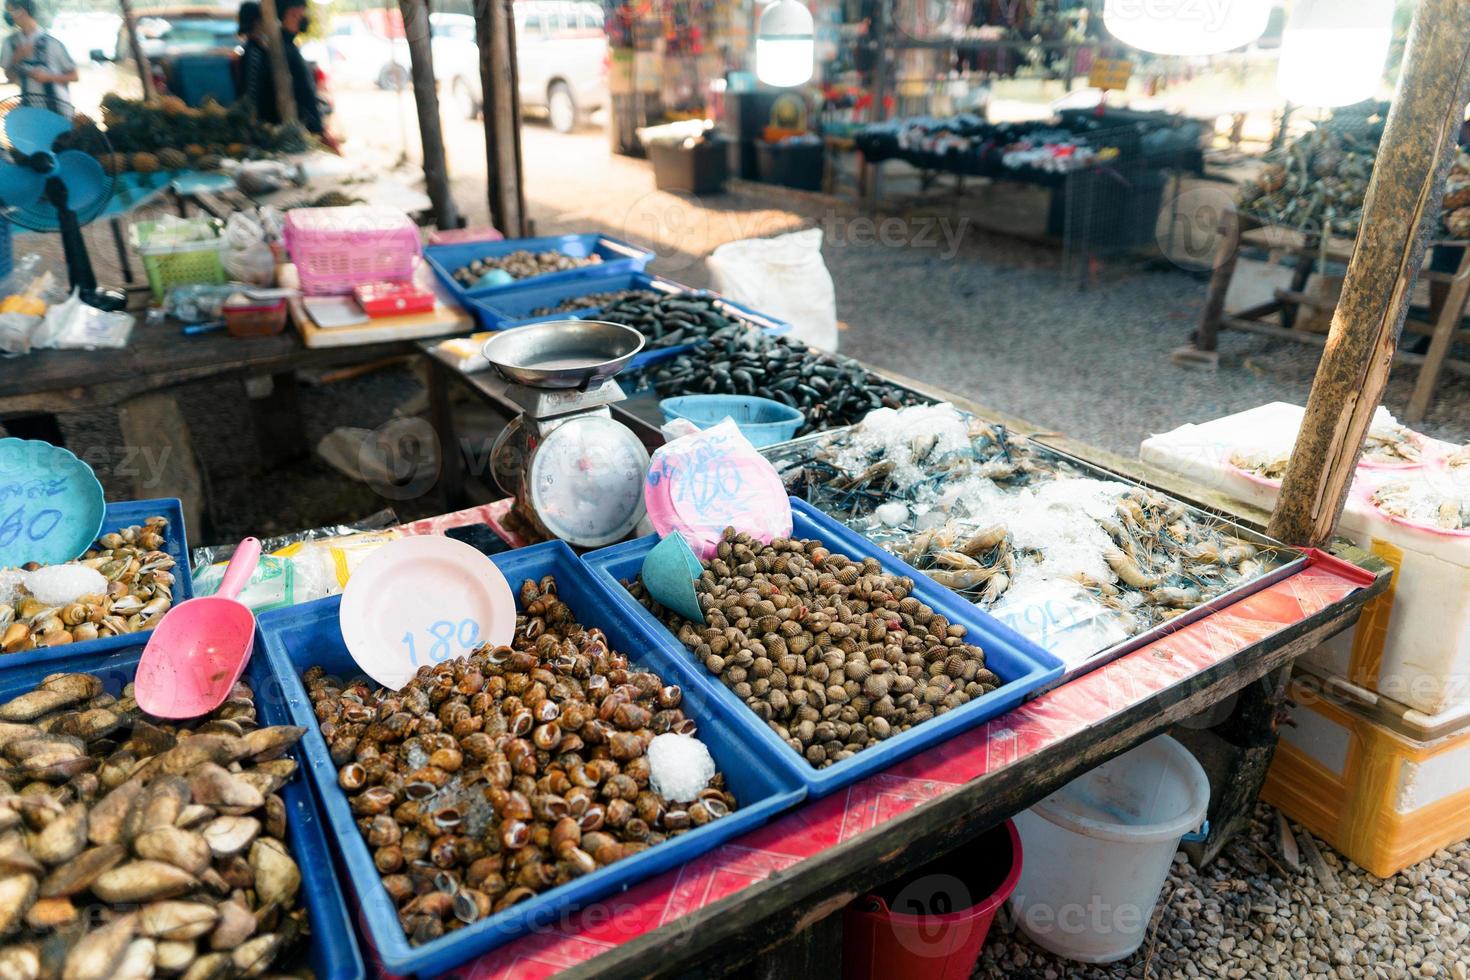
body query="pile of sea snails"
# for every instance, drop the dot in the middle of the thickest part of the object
(135, 589)
(132, 848)
(493, 777)
(834, 654)
(521, 264)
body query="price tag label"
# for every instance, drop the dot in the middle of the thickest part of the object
(51, 505)
(700, 484)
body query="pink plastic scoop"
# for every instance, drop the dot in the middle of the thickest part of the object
(200, 648)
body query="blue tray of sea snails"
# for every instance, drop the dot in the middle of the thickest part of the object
(1023, 666)
(308, 635)
(616, 256)
(331, 950)
(117, 516)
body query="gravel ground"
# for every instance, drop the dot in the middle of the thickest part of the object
(1250, 915)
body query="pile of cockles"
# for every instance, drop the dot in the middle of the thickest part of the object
(834, 654)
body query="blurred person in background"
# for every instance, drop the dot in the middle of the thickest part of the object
(258, 82)
(36, 60)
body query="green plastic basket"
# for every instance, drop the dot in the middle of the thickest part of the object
(180, 263)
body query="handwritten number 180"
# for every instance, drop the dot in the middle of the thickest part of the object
(465, 634)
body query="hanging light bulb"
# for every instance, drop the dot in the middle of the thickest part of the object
(1333, 51)
(1186, 27)
(784, 48)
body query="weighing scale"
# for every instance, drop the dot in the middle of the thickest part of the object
(575, 472)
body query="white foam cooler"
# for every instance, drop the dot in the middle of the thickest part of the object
(1413, 643)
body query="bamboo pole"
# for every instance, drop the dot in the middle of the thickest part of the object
(1401, 207)
(426, 99)
(495, 33)
(275, 46)
(145, 70)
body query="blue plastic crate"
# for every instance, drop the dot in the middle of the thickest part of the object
(617, 256)
(1023, 666)
(332, 947)
(120, 515)
(308, 635)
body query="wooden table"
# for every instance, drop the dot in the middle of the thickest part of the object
(774, 895)
(136, 379)
(1449, 292)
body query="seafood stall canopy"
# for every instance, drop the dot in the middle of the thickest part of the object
(1085, 564)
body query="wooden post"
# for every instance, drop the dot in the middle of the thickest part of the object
(275, 45)
(1401, 207)
(426, 99)
(495, 33)
(145, 70)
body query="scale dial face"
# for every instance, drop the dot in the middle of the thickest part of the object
(586, 481)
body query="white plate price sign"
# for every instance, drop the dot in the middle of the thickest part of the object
(421, 601)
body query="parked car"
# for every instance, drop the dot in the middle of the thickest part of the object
(561, 60)
(359, 54)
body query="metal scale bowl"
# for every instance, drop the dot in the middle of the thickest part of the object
(575, 472)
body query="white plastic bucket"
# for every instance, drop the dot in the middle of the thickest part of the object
(1098, 851)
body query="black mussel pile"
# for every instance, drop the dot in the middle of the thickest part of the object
(667, 321)
(829, 390)
(590, 300)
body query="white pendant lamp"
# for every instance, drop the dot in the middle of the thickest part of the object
(1333, 51)
(784, 48)
(1186, 27)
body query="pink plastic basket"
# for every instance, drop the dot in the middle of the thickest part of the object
(334, 249)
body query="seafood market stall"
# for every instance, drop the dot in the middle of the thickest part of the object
(777, 892)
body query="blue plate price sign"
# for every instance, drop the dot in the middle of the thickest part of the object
(51, 504)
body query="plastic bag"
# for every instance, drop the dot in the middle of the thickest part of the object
(784, 277)
(301, 566)
(28, 291)
(73, 325)
(247, 256)
(703, 482)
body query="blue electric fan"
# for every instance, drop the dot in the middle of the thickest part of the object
(52, 179)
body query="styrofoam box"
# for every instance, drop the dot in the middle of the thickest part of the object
(1370, 789)
(1412, 645)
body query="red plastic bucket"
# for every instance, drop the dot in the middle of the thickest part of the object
(932, 923)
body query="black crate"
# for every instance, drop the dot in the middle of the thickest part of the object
(699, 169)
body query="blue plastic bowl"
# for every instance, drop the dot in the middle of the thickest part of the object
(765, 785)
(1023, 666)
(332, 947)
(763, 421)
(176, 543)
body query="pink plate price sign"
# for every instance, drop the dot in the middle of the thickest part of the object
(702, 483)
(51, 504)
